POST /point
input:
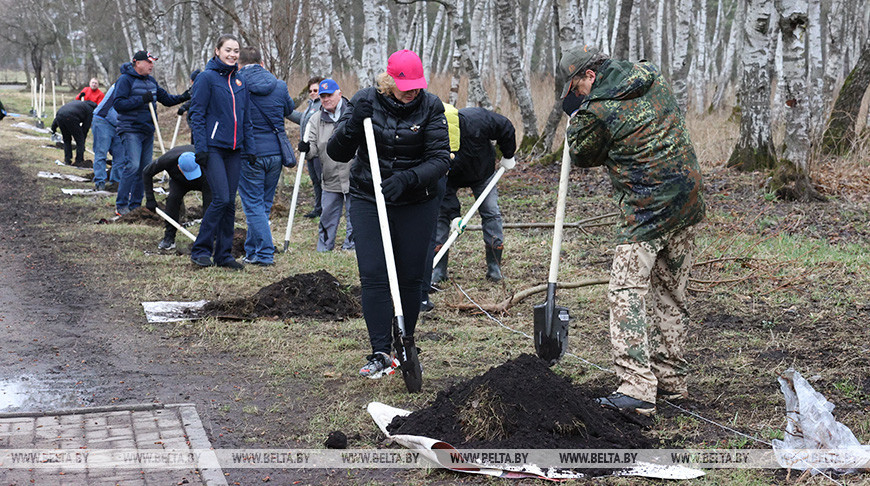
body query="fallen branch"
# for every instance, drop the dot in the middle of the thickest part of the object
(577, 224)
(518, 297)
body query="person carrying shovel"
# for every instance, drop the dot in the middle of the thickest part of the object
(410, 133)
(629, 122)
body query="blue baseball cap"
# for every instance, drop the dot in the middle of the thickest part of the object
(189, 167)
(327, 86)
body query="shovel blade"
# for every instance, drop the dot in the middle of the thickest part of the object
(551, 331)
(409, 362)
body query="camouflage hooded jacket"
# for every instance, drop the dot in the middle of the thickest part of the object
(630, 123)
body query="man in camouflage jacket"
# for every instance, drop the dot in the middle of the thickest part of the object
(629, 122)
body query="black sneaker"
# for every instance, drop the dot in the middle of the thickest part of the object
(619, 401)
(232, 265)
(311, 214)
(202, 261)
(427, 305)
(166, 244)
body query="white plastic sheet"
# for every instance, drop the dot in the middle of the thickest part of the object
(167, 311)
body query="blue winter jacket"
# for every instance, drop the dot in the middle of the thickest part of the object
(271, 96)
(106, 109)
(220, 110)
(133, 113)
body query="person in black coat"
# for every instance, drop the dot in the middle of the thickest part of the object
(473, 166)
(185, 175)
(74, 120)
(413, 155)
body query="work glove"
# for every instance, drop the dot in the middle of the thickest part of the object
(151, 204)
(303, 146)
(181, 111)
(147, 97)
(186, 95)
(395, 185)
(361, 110)
(571, 104)
(201, 159)
(251, 158)
(508, 163)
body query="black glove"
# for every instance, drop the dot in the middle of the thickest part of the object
(147, 97)
(395, 185)
(304, 146)
(181, 111)
(361, 110)
(151, 204)
(186, 95)
(571, 103)
(202, 159)
(251, 158)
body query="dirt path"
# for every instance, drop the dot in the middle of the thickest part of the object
(67, 343)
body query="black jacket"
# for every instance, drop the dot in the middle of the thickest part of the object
(169, 163)
(76, 111)
(475, 160)
(409, 137)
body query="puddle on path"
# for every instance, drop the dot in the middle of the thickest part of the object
(29, 393)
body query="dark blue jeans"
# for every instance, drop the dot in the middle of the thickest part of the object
(139, 149)
(215, 238)
(257, 192)
(411, 228)
(107, 140)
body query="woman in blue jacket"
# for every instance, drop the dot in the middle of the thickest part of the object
(223, 136)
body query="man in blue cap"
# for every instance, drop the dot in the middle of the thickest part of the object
(185, 175)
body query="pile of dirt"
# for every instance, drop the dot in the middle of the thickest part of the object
(87, 163)
(316, 294)
(141, 215)
(523, 404)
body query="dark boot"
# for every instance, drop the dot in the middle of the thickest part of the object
(439, 273)
(493, 264)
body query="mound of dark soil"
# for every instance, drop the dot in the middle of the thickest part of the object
(141, 215)
(88, 163)
(316, 294)
(523, 404)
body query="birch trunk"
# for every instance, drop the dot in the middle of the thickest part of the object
(727, 72)
(699, 62)
(321, 44)
(659, 35)
(541, 8)
(519, 80)
(476, 91)
(792, 175)
(344, 50)
(371, 51)
(754, 149)
(429, 54)
(840, 134)
(834, 59)
(620, 29)
(567, 36)
(815, 68)
(681, 61)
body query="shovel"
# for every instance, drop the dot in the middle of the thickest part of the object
(460, 224)
(156, 126)
(299, 165)
(551, 321)
(175, 134)
(406, 351)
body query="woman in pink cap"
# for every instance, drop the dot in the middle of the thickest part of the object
(413, 153)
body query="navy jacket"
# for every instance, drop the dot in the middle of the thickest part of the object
(271, 96)
(133, 113)
(475, 160)
(220, 110)
(409, 137)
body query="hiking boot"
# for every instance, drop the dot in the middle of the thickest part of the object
(166, 244)
(439, 273)
(620, 401)
(379, 364)
(202, 261)
(312, 214)
(427, 305)
(493, 263)
(232, 265)
(100, 186)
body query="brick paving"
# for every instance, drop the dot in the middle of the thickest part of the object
(145, 428)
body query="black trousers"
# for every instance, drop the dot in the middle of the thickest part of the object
(70, 129)
(411, 228)
(175, 199)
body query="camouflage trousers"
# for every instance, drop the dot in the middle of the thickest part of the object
(648, 315)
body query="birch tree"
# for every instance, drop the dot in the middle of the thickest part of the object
(754, 149)
(840, 134)
(680, 61)
(519, 80)
(792, 175)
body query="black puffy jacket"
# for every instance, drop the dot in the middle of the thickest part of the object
(475, 160)
(410, 136)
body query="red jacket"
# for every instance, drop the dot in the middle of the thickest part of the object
(89, 94)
